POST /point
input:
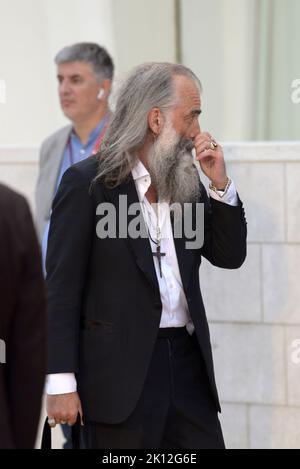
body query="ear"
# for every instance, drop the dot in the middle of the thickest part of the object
(155, 120)
(105, 89)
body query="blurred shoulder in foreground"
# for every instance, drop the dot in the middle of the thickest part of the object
(22, 323)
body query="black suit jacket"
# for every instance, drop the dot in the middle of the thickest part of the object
(22, 323)
(104, 299)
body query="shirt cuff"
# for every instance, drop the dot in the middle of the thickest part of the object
(61, 383)
(229, 198)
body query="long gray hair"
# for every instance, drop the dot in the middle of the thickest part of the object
(149, 85)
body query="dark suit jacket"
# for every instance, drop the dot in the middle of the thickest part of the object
(104, 300)
(22, 323)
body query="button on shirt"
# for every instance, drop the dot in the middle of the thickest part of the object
(175, 311)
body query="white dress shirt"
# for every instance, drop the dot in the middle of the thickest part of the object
(175, 311)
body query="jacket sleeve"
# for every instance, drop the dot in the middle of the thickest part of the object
(69, 244)
(225, 233)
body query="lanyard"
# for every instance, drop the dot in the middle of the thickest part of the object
(95, 148)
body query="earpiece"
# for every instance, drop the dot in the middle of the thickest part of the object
(100, 94)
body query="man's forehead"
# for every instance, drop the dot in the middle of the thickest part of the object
(73, 68)
(187, 90)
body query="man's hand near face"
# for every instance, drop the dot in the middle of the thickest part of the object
(211, 159)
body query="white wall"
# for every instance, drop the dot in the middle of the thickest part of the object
(231, 44)
(254, 312)
(144, 31)
(33, 31)
(218, 44)
(246, 53)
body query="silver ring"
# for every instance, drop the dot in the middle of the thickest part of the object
(51, 422)
(63, 422)
(213, 145)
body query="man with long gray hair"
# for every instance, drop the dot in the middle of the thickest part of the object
(129, 344)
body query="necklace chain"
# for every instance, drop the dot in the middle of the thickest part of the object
(157, 254)
(149, 225)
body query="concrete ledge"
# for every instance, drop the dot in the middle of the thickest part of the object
(258, 152)
(12, 154)
(236, 152)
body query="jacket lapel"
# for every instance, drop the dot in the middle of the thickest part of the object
(53, 165)
(139, 246)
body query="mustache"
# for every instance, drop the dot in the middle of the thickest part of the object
(186, 145)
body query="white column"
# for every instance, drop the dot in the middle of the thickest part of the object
(31, 34)
(144, 31)
(217, 43)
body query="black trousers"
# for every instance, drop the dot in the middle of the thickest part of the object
(176, 408)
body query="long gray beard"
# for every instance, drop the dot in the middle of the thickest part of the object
(172, 171)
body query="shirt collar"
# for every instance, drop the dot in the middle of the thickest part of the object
(94, 133)
(141, 178)
(139, 171)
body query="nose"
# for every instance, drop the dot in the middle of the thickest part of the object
(195, 129)
(64, 87)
